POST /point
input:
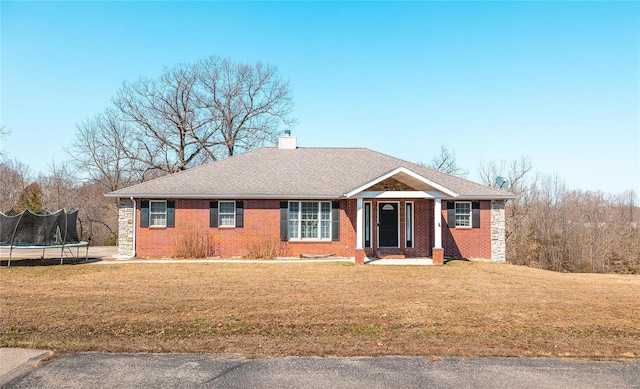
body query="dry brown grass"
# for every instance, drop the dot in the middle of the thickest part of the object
(467, 309)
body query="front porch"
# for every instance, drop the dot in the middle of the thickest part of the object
(399, 216)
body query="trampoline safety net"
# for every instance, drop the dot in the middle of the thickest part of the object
(38, 229)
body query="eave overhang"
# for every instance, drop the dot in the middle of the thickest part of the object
(506, 196)
(223, 196)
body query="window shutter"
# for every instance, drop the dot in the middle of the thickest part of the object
(451, 214)
(335, 221)
(213, 214)
(284, 221)
(171, 213)
(239, 214)
(475, 214)
(144, 213)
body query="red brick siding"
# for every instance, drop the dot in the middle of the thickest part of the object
(468, 242)
(261, 222)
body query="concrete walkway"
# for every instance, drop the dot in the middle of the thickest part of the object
(229, 261)
(368, 261)
(401, 262)
(104, 255)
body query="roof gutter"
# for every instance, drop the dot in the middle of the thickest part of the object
(226, 196)
(491, 197)
(134, 226)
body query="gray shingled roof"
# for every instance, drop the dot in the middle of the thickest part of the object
(293, 173)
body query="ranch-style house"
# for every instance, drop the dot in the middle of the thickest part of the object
(349, 202)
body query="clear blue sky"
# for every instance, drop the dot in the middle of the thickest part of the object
(556, 81)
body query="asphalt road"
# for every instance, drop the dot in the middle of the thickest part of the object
(89, 370)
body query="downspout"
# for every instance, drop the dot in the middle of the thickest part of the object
(134, 226)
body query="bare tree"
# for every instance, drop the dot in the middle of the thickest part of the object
(14, 176)
(98, 214)
(249, 104)
(446, 162)
(168, 130)
(102, 151)
(515, 172)
(196, 113)
(191, 114)
(4, 133)
(554, 228)
(59, 188)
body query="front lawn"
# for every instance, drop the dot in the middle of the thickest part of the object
(325, 309)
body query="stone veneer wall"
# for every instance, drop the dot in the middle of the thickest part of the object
(498, 231)
(125, 228)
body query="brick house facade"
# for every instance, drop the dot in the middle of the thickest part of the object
(344, 202)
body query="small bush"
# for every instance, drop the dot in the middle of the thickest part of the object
(112, 240)
(262, 246)
(195, 244)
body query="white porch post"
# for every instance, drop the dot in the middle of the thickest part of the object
(437, 221)
(359, 224)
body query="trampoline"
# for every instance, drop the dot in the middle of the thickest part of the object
(41, 230)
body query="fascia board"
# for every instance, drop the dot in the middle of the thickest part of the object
(397, 195)
(411, 173)
(218, 196)
(493, 197)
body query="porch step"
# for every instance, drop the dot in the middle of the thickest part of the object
(392, 256)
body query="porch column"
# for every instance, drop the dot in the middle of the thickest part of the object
(437, 221)
(437, 251)
(359, 258)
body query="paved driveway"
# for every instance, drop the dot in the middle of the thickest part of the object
(209, 371)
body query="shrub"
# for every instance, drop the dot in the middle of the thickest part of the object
(262, 246)
(195, 244)
(112, 240)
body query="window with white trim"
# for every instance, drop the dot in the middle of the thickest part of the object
(157, 213)
(463, 214)
(408, 228)
(309, 220)
(226, 214)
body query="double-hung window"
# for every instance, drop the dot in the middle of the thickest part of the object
(227, 214)
(463, 214)
(309, 220)
(157, 213)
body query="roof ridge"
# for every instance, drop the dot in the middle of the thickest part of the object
(322, 148)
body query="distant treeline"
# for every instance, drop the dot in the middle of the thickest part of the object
(551, 227)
